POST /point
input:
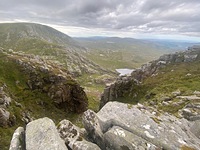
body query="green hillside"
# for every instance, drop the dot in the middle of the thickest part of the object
(25, 103)
(154, 91)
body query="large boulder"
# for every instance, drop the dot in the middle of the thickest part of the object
(17, 142)
(116, 126)
(74, 136)
(42, 134)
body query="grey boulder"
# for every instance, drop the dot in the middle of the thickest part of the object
(117, 124)
(73, 136)
(42, 134)
(17, 142)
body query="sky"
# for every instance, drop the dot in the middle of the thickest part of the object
(171, 19)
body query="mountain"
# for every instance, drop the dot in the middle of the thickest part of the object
(173, 45)
(50, 44)
(115, 53)
(14, 34)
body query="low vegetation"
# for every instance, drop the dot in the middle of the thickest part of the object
(181, 77)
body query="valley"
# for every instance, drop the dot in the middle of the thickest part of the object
(46, 73)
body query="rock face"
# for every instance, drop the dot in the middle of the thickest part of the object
(119, 126)
(5, 118)
(191, 55)
(50, 78)
(120, 88)
(42, 134)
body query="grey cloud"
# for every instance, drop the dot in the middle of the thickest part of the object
(160, 16)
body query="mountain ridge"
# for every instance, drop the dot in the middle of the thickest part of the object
(48, 42)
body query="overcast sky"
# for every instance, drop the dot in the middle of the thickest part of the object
(126, 18)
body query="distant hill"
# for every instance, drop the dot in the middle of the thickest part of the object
(173, 45)
(114, 52)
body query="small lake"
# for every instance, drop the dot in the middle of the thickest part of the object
(125, 71)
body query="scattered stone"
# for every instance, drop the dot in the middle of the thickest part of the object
(4, 117)
(176, 93)
(166, 99)
(18, 104)
(26, 117)
(165, 103)
(197, 93)
(191, 111)
(188, 74)
(7, 101)
(190, 57)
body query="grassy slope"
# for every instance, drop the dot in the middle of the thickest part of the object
(114, 53)
(171, 78)
(92, 90)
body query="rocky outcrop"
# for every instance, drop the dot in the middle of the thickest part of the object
(117, 126)
(123, 86)
(4, 117)
(191, 111)
(74, 136)
(126, 84)
(151, 68)
(50, 78)
(120, 126)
